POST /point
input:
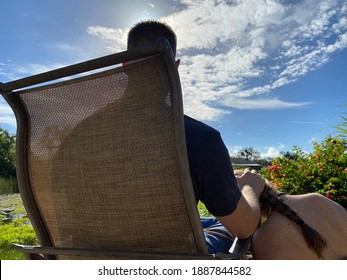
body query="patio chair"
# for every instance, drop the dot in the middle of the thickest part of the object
(101, 160)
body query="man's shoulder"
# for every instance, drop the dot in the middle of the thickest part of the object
(202, 138)
(198, 127)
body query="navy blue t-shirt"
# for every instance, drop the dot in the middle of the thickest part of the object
(212, 175)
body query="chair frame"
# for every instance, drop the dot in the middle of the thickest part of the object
(46, 250)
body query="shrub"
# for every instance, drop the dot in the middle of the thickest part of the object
(18, 231)
(8, 185)
(323, 171)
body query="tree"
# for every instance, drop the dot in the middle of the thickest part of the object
(7, 154)
(248, 153)
(288, 155)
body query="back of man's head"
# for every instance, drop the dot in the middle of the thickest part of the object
(147, 32)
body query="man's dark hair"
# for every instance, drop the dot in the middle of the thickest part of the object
(147, 32)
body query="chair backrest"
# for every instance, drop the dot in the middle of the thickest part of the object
(101, 159)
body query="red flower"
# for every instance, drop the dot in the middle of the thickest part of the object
(328, 195)
(274, 168)
(345, 170)
(319, 164)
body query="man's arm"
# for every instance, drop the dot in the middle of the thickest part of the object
(244, 220)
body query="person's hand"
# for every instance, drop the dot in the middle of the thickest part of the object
(251, 179)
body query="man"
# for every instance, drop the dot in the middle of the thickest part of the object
(232, 200)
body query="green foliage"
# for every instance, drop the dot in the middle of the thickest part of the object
(8, 182)
(7, 154)
(323, 171)
(17, 232)
(13, 227)
(8, 185)
(203, 212)
(10, 254)
(342, 128)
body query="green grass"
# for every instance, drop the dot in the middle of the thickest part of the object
(18, 230)
(10, 254)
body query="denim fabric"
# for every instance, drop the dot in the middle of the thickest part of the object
(218, 239)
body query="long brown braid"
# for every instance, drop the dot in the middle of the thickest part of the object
(270, 198)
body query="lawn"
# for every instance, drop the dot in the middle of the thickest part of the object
(15, 227)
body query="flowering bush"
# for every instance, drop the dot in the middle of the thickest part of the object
(323, 171)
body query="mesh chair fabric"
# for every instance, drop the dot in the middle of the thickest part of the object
(103, 161)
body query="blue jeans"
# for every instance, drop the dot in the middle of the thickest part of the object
(218, 239)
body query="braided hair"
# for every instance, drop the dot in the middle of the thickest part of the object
(270, 198)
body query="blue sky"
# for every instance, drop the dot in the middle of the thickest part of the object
(267, 74)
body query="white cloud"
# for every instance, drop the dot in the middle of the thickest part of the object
(341, 43)
(340, 25)
(271, 152)
(115, 38)
(32, 69)
(4, 108)
(214, 22)
(259, 103)
(6, 114)
(265, 152)
(7, 119)
(12, 71)
(233, 150)
(235, 52)
(200, 109)
(250, 48)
